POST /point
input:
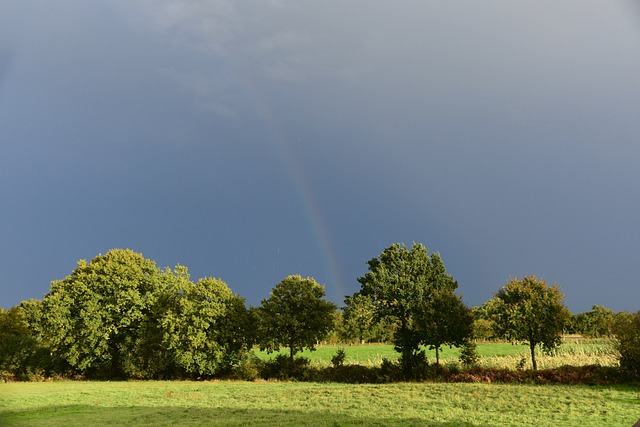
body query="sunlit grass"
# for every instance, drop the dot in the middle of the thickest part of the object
(492, 355)
(293, 404)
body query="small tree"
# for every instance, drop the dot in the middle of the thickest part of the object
(444, 320)
(529, 311)
(296, 315)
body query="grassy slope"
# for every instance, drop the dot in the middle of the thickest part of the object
(270, 403)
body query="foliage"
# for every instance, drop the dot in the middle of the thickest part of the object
(284, 368)
(599, 322)
(195, 328)
(339, 358)
(119, 316)
(627, 332)
(21, 354)
(296, 315)
(529, 311)
(396, 282)
(469, 354)
(358, 318)
(412, 287)
(248, 367)
(92, 318)
(444, 320)
(483, 324)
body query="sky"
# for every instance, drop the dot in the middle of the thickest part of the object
(252, 140)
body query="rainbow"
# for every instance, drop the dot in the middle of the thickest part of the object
(336, 287)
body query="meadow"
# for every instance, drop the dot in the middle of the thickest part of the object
(233, 403)
(273, 403)
(492, 355)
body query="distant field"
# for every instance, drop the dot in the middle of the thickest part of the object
(69, 404)
(501, 355)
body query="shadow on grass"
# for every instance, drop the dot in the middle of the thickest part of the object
(85, 415)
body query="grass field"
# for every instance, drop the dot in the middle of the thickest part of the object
(495, 355)
(71, 404)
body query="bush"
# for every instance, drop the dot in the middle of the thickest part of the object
(338, 358)
(389, 371)
(283, 368)
(248, 367)
(469, 355)
(627, 331)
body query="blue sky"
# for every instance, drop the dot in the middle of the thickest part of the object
(253, 140)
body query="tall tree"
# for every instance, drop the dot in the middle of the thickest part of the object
(396, 283)
(402, 283)
(296, 315)
(530, 311)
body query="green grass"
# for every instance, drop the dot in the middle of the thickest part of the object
(496, 355)
(294, 404)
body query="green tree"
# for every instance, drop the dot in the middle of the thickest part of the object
(627, 333)
(444, 319)
(483, 324)
(530, 311)
(193, 330)
(599, 322)
(91, 319)
(402, 283)
(358, 318)
(296, 315)
(21, 354)
(198, 324)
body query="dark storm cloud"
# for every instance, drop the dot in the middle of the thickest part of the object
(252, 140)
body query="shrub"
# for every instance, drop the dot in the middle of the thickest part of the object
(469, 355)
(283, 368)
(338, 358)
(627, 331)
(248, 367)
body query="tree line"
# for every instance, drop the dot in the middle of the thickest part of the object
(119, 316)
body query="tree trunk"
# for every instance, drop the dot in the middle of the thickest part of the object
(437, 356)
(532, 346)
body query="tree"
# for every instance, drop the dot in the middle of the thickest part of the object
(197, 323)
(296, 315)
(402, 284)
(21, 354)
(530, 311)
(358, 318)
(599, 322)
(483, 324)
(444, 319)
(627, 333)
(91, 319)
